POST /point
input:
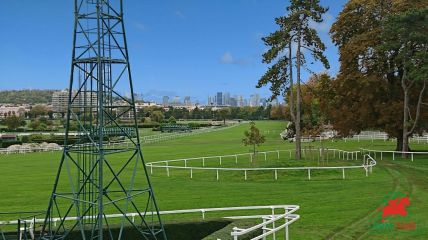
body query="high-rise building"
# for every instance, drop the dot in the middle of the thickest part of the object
(219, 98)
(60, 100)
(165, 101)
(255, 100)
(176, 100)
(233, 102)
(263, 102)
(187, 101)
(226, 99)
(240, 101)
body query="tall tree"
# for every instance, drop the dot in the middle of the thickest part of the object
(295, 30)
(367, 91)
(405, 39)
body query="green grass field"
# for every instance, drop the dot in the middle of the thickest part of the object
(331, 208)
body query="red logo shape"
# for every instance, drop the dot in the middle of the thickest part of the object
(395, 207)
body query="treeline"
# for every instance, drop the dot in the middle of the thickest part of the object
(26, 96)
(246, 113)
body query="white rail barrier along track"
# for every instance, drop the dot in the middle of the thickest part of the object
(393, 153)
(368, 163)
(279, 217)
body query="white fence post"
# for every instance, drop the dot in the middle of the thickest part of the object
(286, 221)
(264, 228)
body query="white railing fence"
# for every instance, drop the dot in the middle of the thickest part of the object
(166, 164)
(394, 154)
(279, 217)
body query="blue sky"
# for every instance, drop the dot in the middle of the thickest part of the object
(177, 47)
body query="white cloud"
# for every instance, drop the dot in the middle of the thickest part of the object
(228, 58)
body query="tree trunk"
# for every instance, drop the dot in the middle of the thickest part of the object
(297, 123)
(293, 116)
(254, 153)
(405, 144)
(399, 144)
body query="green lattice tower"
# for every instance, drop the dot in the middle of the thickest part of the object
(101, 191)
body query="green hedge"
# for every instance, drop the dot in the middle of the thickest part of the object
(9, 143)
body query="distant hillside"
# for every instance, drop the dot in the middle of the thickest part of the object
(26, 96)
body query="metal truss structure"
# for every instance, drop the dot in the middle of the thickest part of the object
(95, 179)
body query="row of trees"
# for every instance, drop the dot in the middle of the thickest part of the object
(247, 113)
(383, 68)
(31, 97)
(35, 112)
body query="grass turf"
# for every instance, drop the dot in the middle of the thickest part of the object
(330, 207)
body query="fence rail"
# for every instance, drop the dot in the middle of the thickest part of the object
(393, 153)
(165, 164)
(271, 222)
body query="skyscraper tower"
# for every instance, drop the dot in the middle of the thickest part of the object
(95, 181)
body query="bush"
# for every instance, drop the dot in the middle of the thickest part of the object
(9, 143)
(25, 139)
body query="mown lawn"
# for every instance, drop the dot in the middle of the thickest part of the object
(331, 208)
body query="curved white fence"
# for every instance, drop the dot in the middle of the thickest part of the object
(278, 217)
(368, 164)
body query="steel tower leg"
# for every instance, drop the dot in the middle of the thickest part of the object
(101, 191)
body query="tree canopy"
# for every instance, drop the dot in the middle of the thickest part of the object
(253, 137)
(367, 94)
